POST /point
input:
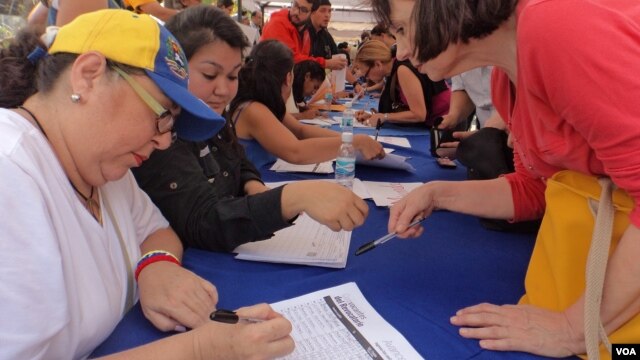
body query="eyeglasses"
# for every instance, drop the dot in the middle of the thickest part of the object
(366, 74)
(302, 9)
(164, 118)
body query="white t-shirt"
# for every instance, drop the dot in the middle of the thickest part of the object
(63, 276)
(477, 83)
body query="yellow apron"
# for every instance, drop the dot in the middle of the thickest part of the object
(556, 275)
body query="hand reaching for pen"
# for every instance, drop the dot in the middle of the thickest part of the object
(173, 297)
(265, 340)
(419, 203)
(370, 148)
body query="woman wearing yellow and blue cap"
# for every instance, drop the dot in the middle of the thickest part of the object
(78, 233)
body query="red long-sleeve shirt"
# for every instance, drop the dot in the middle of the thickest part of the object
(280, 28)
(576, 104)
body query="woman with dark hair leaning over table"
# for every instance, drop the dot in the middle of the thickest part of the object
(264, 127)
(548, 86)
(308, 77)
(408, 97)
(76, 115)
(211, 194)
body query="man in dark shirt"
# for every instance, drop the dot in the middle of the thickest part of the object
(322, 43)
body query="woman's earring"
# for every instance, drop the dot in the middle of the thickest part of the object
(75, 98)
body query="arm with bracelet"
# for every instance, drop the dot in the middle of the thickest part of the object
(163, 283)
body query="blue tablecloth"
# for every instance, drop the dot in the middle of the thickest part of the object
(416, 285)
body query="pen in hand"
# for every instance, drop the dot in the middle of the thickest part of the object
(230, 317)
(370, 245)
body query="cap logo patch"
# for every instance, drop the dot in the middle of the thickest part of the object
(175, 59)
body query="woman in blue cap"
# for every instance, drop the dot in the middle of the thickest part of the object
(79, 233)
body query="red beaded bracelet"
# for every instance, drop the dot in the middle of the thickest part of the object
(146, 261)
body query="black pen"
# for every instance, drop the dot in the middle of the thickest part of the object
(378, 124)
(230, 317)
(370, 245)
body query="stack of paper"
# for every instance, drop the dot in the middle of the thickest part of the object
(320, 121)
(307, 242)
(319, 168)
(339, 323)
(390, 161)
(394, 140)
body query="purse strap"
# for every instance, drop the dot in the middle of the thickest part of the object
(595, 273)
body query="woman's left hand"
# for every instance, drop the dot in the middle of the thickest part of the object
(309, 114)
(520, 328)
(173, 297)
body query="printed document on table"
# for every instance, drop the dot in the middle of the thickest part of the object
(339, 323)
(307, 242)
(358, 187)
(388, 193)
(394, 140)
(319, 168)
(320, 121)
(390, 161)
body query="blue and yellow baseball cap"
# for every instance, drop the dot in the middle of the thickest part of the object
(140, 41)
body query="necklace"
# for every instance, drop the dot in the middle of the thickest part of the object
(91, 204)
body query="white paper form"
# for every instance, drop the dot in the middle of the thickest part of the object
(388, 193)
(320, 121)
(394, 140)
(390, 161)
(339, 323)
(319, 168)
(358, 187)
(307, 242)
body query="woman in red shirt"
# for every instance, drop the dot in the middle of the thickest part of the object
(570, 104)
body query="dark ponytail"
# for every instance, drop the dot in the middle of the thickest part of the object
(21, 77)
(262, 76)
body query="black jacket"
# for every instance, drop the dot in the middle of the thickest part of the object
(199, 188)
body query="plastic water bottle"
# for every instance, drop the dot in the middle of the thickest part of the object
(347, 118)
(346, 161)
(328, 99)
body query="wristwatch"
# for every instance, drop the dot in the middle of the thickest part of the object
(386, 116)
